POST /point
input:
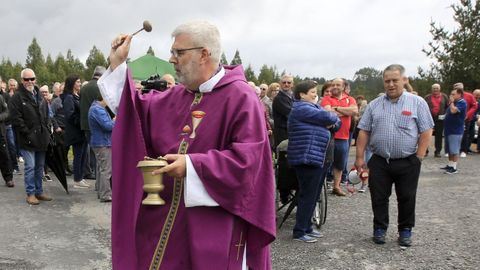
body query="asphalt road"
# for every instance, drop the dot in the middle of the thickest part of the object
(73, 231)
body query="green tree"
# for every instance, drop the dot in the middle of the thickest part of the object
(60, 68)
(50, 70)
(95, 58)
(74, 66)
(268, 74)
(36, 62)
(236, 59)
(457, 53)
(150, 51)
(250, 74)
(223, 59)
(368, 82)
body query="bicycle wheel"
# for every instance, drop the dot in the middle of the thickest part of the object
(320, 213)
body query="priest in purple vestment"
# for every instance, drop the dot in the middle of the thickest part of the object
(219, 184)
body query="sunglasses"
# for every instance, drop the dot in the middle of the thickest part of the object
(287, 82)
(263, 88)
(29, 79)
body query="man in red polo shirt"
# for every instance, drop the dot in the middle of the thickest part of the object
(345, 107)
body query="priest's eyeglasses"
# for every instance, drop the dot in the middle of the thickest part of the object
(179, 52)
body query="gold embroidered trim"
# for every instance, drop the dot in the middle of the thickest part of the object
(172, 213)
(197, 99)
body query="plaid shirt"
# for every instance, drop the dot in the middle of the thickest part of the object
(394, 127)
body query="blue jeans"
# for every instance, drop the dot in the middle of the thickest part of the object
(310, 182)
(340, 154)
(34, 162)
(12, 148)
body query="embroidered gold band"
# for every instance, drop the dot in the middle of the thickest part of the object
(172, 213)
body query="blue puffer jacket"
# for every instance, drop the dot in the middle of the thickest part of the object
(307, 133)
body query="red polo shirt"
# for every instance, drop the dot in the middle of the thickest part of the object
(344, 101)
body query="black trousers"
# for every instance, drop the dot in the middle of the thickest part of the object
(465, 147)
(5, 163)
(383, 174)
(438, 129)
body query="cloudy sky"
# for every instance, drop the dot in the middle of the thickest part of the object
(307, 38)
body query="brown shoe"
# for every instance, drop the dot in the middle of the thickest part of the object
(338, 192)
(43, 197)
(9, 184)
(32, 200)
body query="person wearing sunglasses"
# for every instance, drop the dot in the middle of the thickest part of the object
(31, 122)
(211, 129)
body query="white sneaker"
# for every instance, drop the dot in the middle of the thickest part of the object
(81, 184)
(363, 188)
(446, 155)
(20, 159)
(463, 155)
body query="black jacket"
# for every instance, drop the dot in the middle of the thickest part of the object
(29, 116)
(71, 109)
(281, 106)
(3, 115)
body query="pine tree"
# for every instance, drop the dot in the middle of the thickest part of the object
(95, 58)
(36, 62)
(236, 59)
(150, 51)
(250, 74)
(457, 53)
(223, 59)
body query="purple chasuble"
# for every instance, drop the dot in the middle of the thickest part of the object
(228, 146)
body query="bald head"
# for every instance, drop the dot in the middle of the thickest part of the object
(476, 94)
(169, 79)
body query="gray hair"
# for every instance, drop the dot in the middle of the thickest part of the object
(394, 67)
(458, 85)
(203, 34)
(25, 70)
(99, 70)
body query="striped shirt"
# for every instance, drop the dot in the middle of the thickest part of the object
(394, 127)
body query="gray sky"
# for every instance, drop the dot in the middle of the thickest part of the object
(307, 38)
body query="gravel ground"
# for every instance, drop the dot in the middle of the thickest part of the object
(445, 236)
(73, 231)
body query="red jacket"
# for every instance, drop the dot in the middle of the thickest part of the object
(471, 105)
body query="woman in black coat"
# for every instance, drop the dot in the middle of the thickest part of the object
(73, 133)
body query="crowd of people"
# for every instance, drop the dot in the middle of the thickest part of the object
(218, 138)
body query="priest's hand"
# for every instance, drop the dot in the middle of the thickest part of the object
(175, 169)
(119, 51)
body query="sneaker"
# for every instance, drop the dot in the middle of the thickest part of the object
(379, 236)
(315, 234)
(17, 172)
(20, 159)
(405, 237)
(451, 170)
(107, 199)
(437, 155)
(463, 155)
(305, 239)
(446, 155)
(81, 184)
(363, 188)
(48, 178)
(446, 168)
